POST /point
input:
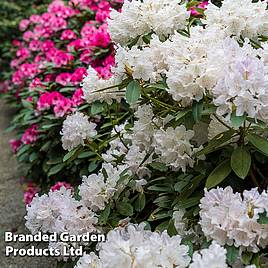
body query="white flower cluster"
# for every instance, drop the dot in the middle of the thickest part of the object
(76, 128)
(93, 87)
(239, 17)
(187, 76)
(59, 212)
(139, 18)
(214, 256)
(174, 148)
(132, 246)
(228, 218)
(242, 80)
(97, 189)
(137, 143)
(143, 62)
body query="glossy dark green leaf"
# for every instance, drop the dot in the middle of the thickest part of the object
(197, 110)
(216, 142)
(232, 254)
(133, 92)
(56, 169)
(140, 202)
(125, 209)
(218, 174)
(261, 144)
(241, 162)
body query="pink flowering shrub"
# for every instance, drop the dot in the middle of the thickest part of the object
(50, 61)
(60, 184)
(30, 190)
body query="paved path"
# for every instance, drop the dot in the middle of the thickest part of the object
(11, 205)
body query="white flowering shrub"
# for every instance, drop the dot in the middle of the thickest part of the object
(183, 180)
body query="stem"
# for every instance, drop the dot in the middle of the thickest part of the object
(222, 122)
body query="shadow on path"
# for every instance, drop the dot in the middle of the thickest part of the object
(12, 207)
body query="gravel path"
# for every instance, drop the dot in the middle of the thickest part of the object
(12, 207)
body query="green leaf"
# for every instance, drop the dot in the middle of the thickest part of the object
(86, 154)
(237, 121)
(70, 154)
(246, 257)
(33, 156)
(189, 243)
(96, 107)
(140, 202)
(56, 169)
(125, 209)
(241, 162)
(259, 143)
(197, 110)
(104, 215)
(232, 254)
(263, 219)
(218, 174)
(92, 166)
(159, 166)
(133, 92)
(217, 141)
(188, 203)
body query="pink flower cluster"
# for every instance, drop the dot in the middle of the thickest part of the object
(60, 184)
(29, 193)
(15, 145)
(203, 5)
(51, 58)
(30, 135)
(60, 104)
(73, 79)
(39, 49)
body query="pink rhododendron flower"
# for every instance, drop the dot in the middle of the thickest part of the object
(77, 98)
(61, 58)
(35, 45)
(16, 43)
(68, 35)
(29, 193)
(62, 107)
(23, 53)
(24, 24)
(27, 36)
(35, 19)
(35, 83)
(64, 79)
(60, 184)
(202, 5)
(15, 145)
(30, 135)
(78, 75)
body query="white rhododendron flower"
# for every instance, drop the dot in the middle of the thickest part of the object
(96, 190)
(59, 212)
(188, 77)
(76, 129)
(212, 257)
(174, 148)
(141, 62)
(228, 218)
(242, 80)
(179, 222)
(132, 246)
(93, 88)
(139, 18)
(240, 17)
(89, 261)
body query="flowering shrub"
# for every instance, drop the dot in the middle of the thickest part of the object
(49, 65)
(183, 179)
